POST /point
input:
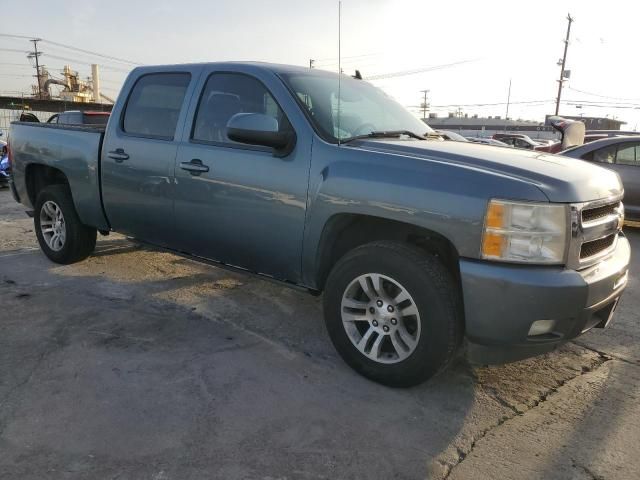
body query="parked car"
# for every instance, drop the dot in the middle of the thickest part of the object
(417, 244)
(545, 141)
(488, 141)
(77, 117)
(517, 140)
(453, 136)
(621, 154)
(5, 168)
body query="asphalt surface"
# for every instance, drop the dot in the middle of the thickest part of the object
(137, 364)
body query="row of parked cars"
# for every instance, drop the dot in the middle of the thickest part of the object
(615, 149)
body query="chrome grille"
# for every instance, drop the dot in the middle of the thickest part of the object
(595, 227)
(594, 247)
(596, 213)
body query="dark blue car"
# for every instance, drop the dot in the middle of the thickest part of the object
(5, 168)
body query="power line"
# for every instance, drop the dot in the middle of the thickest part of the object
(89, 52)
(15, 75)
(17, 50)
(493, 104)
(74, 60)
(403, 73)
(9, 35)
(599, 102)
(71, 47)
(599, 95)
(322, 60)
(582, 104)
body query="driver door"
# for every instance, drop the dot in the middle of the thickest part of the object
(236, 203)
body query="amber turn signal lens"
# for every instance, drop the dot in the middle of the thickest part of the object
(492, 244)
(495, 215)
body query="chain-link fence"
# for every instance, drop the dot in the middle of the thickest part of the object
(8, 116)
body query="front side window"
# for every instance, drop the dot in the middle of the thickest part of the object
(225, 95)
(154, 105)
(628, 154)
(363, 108)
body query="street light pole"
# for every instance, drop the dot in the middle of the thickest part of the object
(564, 61)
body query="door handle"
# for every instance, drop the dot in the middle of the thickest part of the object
(195, 167)
(118, 155)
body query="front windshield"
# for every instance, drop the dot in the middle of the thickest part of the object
(363, 108)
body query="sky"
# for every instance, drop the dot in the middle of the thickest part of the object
(477, 48)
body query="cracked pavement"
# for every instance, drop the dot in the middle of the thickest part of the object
(138, 364)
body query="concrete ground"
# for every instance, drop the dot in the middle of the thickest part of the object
(137, 364)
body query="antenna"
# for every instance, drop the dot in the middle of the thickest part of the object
(339, 65)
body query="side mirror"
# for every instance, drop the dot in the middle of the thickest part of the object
(258, 129)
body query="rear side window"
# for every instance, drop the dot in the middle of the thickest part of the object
(226, 94)
(154, 105)
(628, 154)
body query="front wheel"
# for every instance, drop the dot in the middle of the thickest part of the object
(62, 236)
(393, 313)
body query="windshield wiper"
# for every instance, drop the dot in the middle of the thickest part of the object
(385, 134)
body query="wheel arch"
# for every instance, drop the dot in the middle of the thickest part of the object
(345, 231)
(39, 176)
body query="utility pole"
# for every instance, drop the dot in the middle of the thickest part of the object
(564, 61)
(36, 54)
(311, 62)
(425, 104)
(506, 115)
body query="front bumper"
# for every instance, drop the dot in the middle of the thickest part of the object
(502, 301)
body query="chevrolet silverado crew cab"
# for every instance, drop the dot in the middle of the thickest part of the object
(422, 248)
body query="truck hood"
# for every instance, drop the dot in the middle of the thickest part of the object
(561, 179)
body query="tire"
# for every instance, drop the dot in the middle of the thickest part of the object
(75, 241)
(414, 346)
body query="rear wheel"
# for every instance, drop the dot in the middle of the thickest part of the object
(393, 313)
(61, 235)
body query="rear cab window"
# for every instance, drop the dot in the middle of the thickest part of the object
(154, 105)
(94, 119)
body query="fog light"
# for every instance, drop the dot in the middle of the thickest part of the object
(540, 327)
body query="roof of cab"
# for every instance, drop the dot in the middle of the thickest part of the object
(277, 68)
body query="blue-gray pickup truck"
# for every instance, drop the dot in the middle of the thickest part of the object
(422, 248)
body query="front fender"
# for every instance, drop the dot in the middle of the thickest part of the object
(447, 199)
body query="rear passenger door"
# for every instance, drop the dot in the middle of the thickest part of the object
(139, 152)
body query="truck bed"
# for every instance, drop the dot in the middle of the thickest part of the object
(65, 126)
(72, 149)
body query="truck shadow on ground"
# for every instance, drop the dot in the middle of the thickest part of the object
(150, 362)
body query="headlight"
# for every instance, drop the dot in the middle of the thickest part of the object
(525, 232)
